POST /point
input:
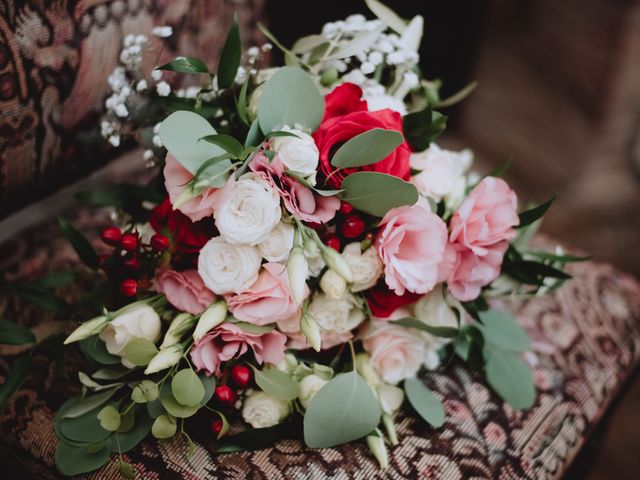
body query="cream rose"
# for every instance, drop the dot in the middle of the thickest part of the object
(442, 173)
(309, 386)
(278, 243)
(251, 211)
(333, 285)
(138, 321)
(299, 154)
(228, 268)
(366, 267)
(261, 410)
(336, 315)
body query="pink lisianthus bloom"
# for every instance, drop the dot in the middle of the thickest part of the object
(411, 243)
(184, 290)
(228, 341)
(486, 217)
(301, 201)
(268, 300)
(176, 178)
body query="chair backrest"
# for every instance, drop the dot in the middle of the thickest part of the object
(55, 57)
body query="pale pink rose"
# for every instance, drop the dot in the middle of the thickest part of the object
(184, 290)
(487, 216)
(268, 300)
(228, 341)
(303, 202)
(411, 244)
(396, 352)
(176, 177)
(471, 272)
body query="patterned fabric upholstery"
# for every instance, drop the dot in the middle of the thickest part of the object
(55, 57)
(586, 343)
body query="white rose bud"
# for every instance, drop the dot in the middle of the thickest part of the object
(366, 267)
(261, 410)
(252, 211)
(299, 154)
(138, 321)
(228, 268)
(310, 329)
(309, 386)
(333, 285)
(179, 326)
(335, 262)
(87, 329)
(210, 318)
(379, 450)
(165, 358)
(391, 397)
(278, 243)
(297, 269)
(366, 370)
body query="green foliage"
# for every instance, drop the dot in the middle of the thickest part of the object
(164, 426)
(529, 216)
(423, 127)
(80, 244)
(502, 330)
(15, 334)
(41, 297)
(510, 377)
(95, 349)
(175, 408)
(185, 65)
(15, 378)
(277, 383)
(74, 460)
(140, 351)
(90, 403)
(125, 441)
(428, 406)
(445, 332)
(226, 142)
(230, 56)
(377, 193)
(187, 388)
(109, 418)
(145, 391)
(367, 148)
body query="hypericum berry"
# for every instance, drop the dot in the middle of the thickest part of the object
(111, 236)
(216, 427)
(159, 242)
(129, 242)
(352, 226)
(224, 395)
(132, 263)
(241, 376)
(345, 208)
(333, 241)
(129, 287)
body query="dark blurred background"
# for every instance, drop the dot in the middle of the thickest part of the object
(559, 97)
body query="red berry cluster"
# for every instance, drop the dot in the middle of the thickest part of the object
(350, 227)
(125, 262)
(225, 397)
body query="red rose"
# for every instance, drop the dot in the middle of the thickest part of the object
(344, 99)
(383, 302)
(186, 236)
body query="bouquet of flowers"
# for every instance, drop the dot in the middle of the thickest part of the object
(305, 254)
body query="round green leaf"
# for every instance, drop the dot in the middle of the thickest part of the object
(155, 408)
(288, 98)
(109, 418)
(510, 377)
(125, 441)
(377, 193)
(277, 383)
(83, 429)
(145, 391)
(502, 329)
(74, 460)
(344, 410)
(176, 409)
(95, 349)
(209, 387)
(367, 148)
(164, 426)
(187, 388)
(424, 402)
(140, 351)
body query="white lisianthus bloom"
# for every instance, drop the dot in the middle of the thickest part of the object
(228, 268)
(366, 267)
(251, 212)
(299, 154)
(442, 173)
(278, 243)
(261, 410)
(139, 321)
(333, 285)
(309, 386)
(338, 316)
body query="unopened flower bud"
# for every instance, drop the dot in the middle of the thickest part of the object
(333, 285)
(364, 368)
(87, 329)
(179, 326)
(165, 358)
(390, 428)
(187, 194)
(309, 386)
(297, 269)
(376, 444)
(335, 262)
(211, 318)
(310, 329)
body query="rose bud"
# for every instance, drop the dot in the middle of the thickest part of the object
(211, 318)
(111, 236)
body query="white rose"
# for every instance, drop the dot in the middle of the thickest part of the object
(139, 321)
(339, 316)
(332, 284)
(261, 410)
(366, 267)
(251, 212)
(309, 386)
(442, 173)
(435, 311)
(299, 154)
(278, 243)
(228, 268)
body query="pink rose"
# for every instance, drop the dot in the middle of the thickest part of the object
(487, 216)
(228, 341)
(176, 178)
(396, 352)
(471, 272)
(297, 341)
(268, 300)
(303, 202)
(184, 290)
(411, 244)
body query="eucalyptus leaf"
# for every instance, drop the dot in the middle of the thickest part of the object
(110, 373)
(12, 333)
(175, 408)
(145, 391)
(209, 384)
(109, 418)
(277, 383)
(343, 410)
(502, 330)
(123, 442)
(290, 98)
(230, 56)
(155, 408)
(140, 351)
(377, 193)
(428, 406)
(185, 65)
(510, 377)
(82, 429)
(445, 332)
(94, 348)
(164, 427)
(187, 388)
(90, 402)
(127, 420)
(367, 148)
(74, 460)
